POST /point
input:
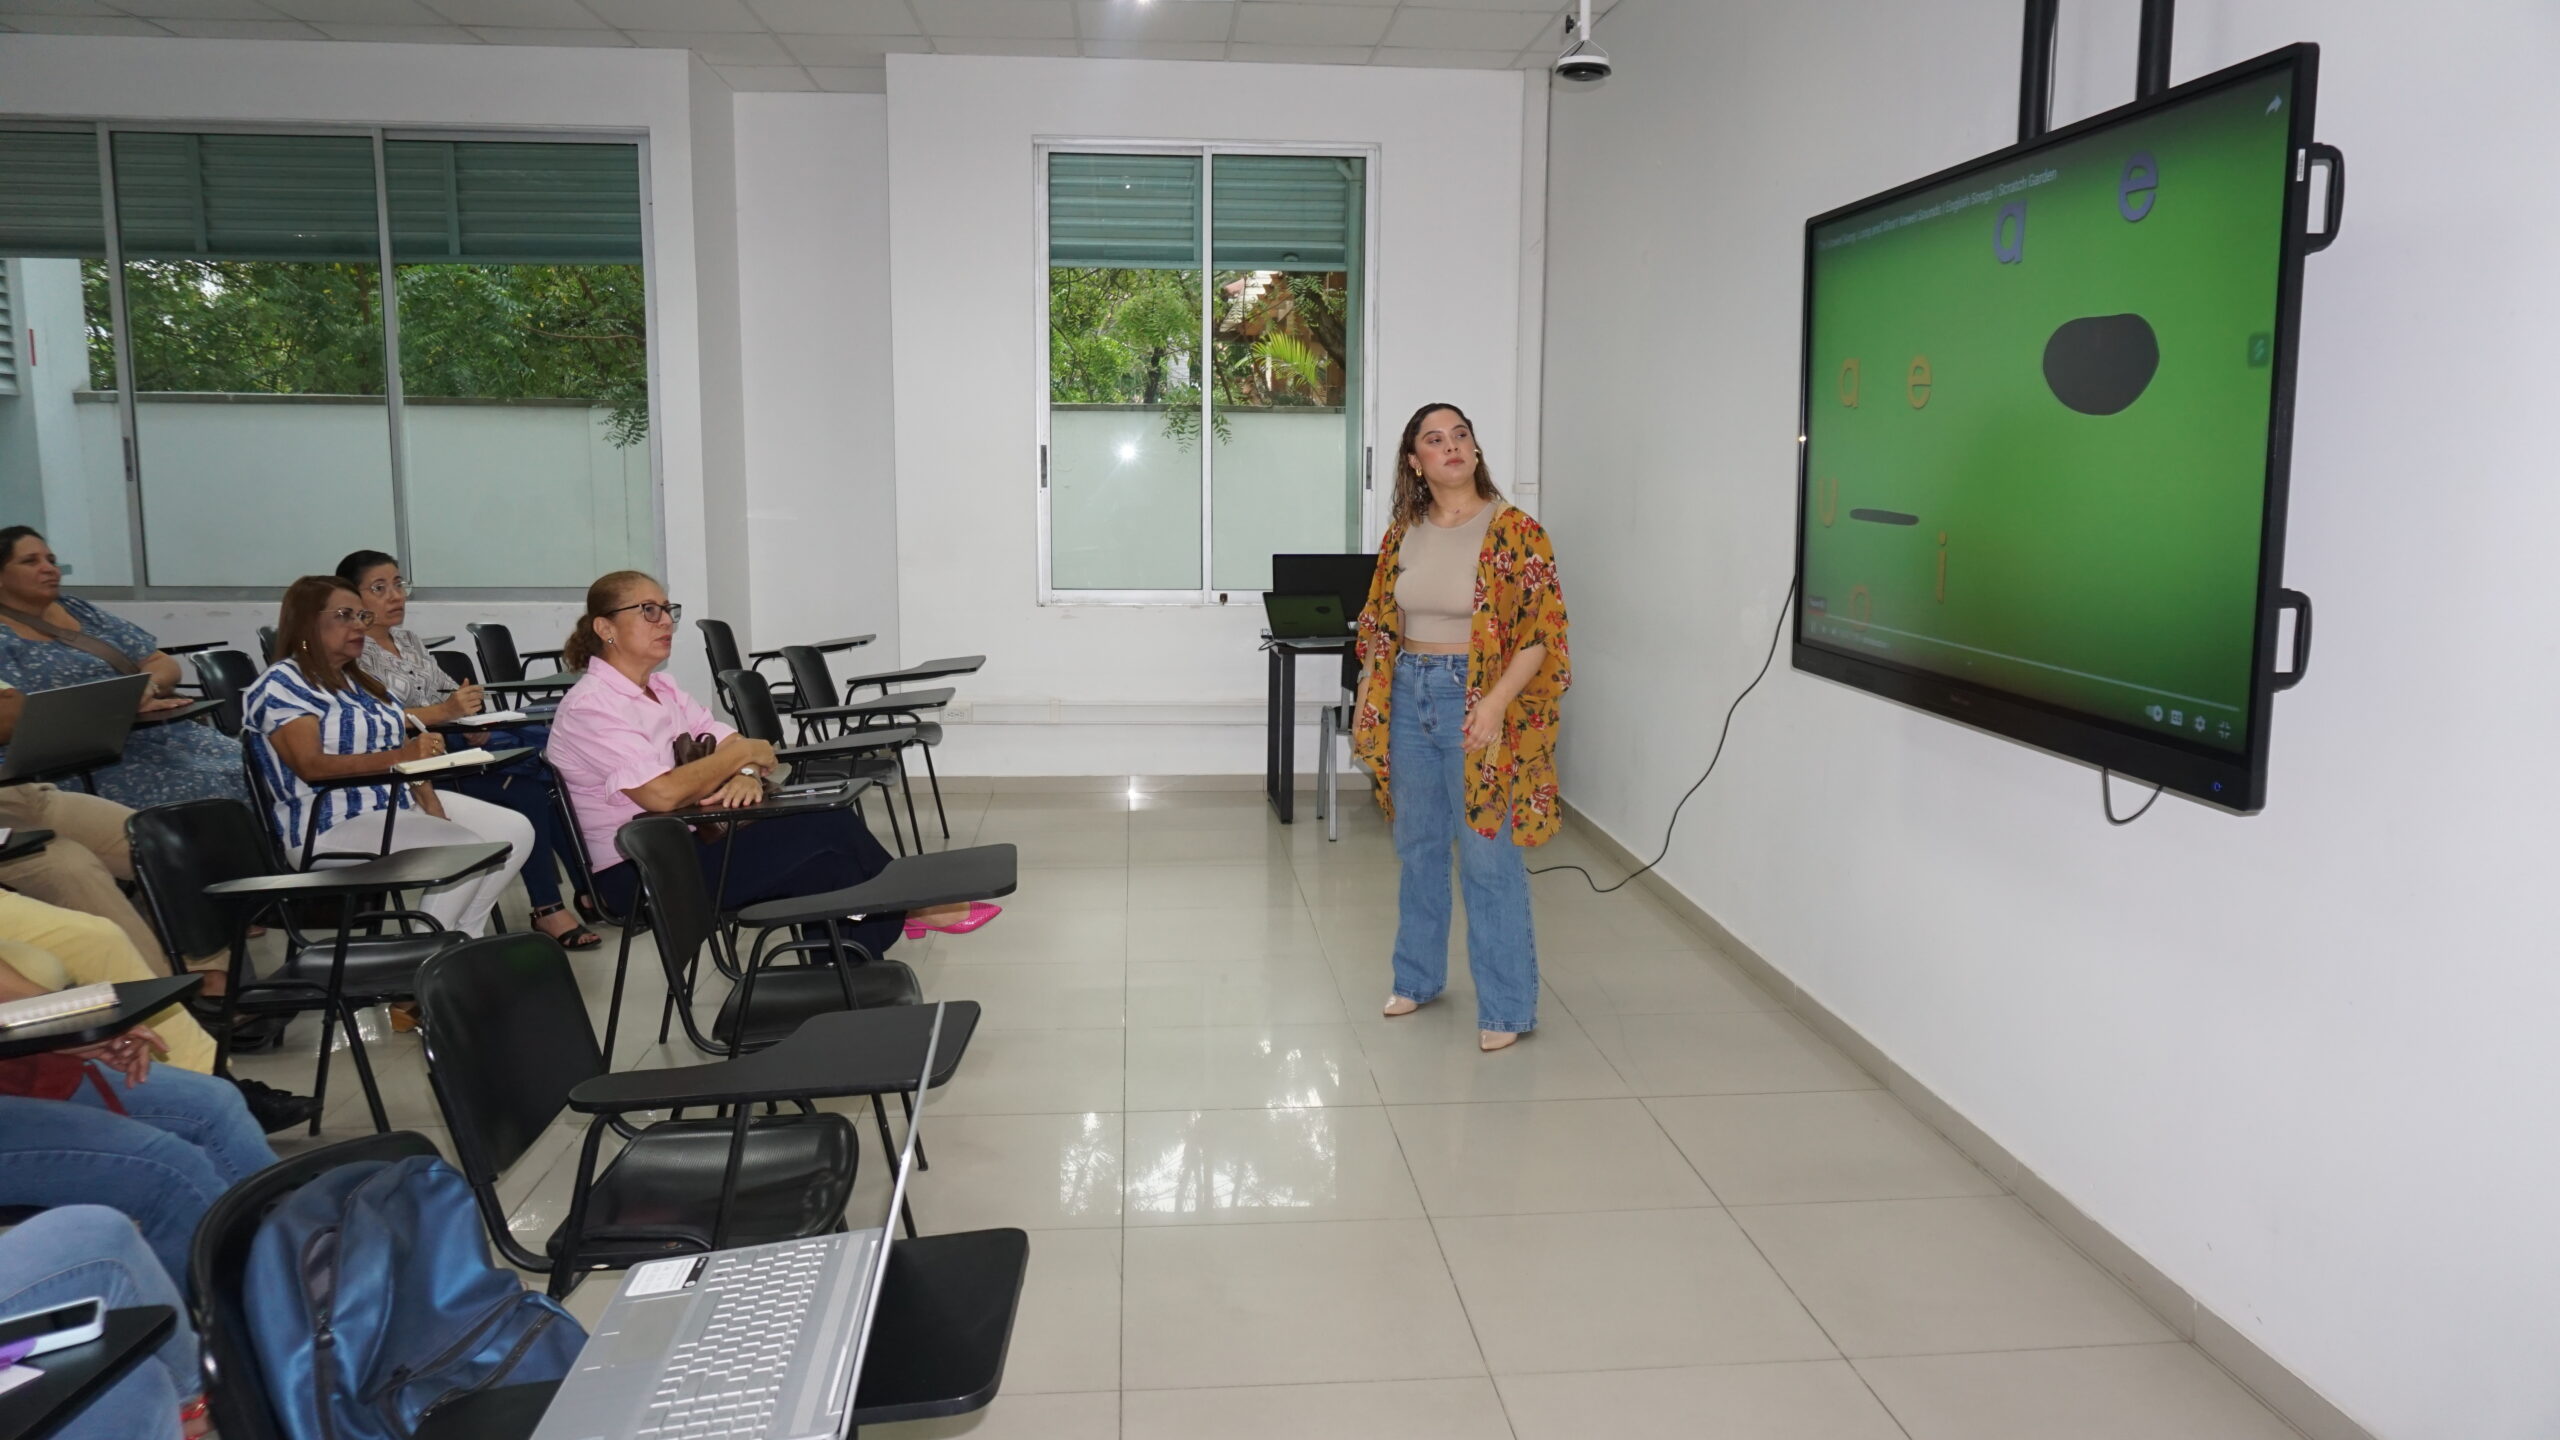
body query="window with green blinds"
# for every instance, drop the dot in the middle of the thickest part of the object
(245, 197)
(1125, 212)
(49, 196)
(1205, 405)
(1286, 212)
(513, 202)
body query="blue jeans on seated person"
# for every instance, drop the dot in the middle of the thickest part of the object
(85, 1252)
(183, 1140)
(1426, 769)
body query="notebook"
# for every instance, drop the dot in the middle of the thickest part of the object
(445, 761)
(61, 1004)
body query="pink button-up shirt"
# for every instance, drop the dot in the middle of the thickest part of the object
(610, 736)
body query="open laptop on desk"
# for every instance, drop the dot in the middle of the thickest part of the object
(764, 1342)
(1305, 617)
(73, 729)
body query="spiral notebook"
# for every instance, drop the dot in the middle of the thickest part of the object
(60, 1005)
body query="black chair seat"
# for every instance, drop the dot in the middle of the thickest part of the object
(376, 964)
(661, 1195)
(928, 732)
(788, 994)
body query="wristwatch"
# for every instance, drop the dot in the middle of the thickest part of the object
(750, 771)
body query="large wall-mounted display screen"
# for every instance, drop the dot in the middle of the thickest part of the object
(2046, 403)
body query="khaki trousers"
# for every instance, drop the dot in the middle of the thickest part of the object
(58, 948)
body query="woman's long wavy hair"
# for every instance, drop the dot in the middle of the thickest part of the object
(1413, 493)
(609, 593)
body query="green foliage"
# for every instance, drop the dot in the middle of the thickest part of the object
(1132, 337)
(573, 332)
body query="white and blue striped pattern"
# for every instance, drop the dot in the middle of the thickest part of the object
(352, 722)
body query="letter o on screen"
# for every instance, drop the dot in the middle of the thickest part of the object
(2138, 188)
(2009, 234)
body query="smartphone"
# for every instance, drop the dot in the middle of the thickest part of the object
(63, 1326)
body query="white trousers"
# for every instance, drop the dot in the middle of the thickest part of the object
(462, 906)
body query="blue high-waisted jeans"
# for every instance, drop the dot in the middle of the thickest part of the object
(1426, 768)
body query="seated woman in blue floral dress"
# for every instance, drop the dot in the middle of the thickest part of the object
(49, 640)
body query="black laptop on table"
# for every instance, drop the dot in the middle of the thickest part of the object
(73, 730)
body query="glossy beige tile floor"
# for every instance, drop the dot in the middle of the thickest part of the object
(1261, 1210)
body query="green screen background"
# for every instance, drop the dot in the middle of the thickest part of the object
(2107, 564)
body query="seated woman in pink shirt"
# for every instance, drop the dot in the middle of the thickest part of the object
(613, 744)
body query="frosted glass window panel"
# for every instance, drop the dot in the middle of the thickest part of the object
(1124, 500)
(261, 490)
(1279, 489)
(524, 493)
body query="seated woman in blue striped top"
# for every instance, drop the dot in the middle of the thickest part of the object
(315, 716)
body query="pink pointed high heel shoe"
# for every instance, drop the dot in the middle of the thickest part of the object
(980, 912)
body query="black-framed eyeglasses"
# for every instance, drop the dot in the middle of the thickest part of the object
(651, 611)
(345, 616)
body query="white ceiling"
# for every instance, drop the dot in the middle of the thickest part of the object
(844, 45)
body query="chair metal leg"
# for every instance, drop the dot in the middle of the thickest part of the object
(935, 780)
(907, 1106)
(364, 1073)
(613, 1008)
(909, 786)
(320, 1081)
(666, 1017)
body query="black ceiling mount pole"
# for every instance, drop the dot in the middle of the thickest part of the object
(2035, 70)
(2151, 61)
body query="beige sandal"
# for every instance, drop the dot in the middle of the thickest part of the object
(1399, 1005)
(1492, 1040)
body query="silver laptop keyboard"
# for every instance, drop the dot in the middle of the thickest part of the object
(725, 1382)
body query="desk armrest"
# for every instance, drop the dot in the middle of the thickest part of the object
(843, 1052)
(918, 674)
(857, 744)
(904, 702)
(912, 882)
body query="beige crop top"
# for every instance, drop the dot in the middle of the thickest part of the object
(1437, 591)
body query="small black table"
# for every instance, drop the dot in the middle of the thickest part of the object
(195, 648)
(78, 1374)
(834, 1053)
(434, 642)
(539, 684)
(1280, 717)
(135, 999)
(22, 843)
(824, 647)
(193, 709)
(533, 715)
(419, 869)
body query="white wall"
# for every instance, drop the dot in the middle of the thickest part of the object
(813, 234)
(2301, 1061)
(967, 257)
(651, 92)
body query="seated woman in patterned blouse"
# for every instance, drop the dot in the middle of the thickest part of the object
(314, 716)
(395, 656)
(49, 640)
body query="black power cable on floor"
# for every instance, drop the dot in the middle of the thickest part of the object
(2107, 798)
(1721, 736)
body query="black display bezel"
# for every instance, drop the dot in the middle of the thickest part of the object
(2233, 781)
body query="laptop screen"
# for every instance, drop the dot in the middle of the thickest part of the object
(889, 1222)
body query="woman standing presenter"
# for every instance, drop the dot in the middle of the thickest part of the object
(1462, 648)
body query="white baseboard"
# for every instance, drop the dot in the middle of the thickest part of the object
(2258, 1372)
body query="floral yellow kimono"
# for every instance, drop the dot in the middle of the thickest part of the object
(1518, 604)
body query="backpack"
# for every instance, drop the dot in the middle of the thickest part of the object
(371, 1301)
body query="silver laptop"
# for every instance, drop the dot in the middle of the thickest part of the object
(764, 1342)
(77, 727)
